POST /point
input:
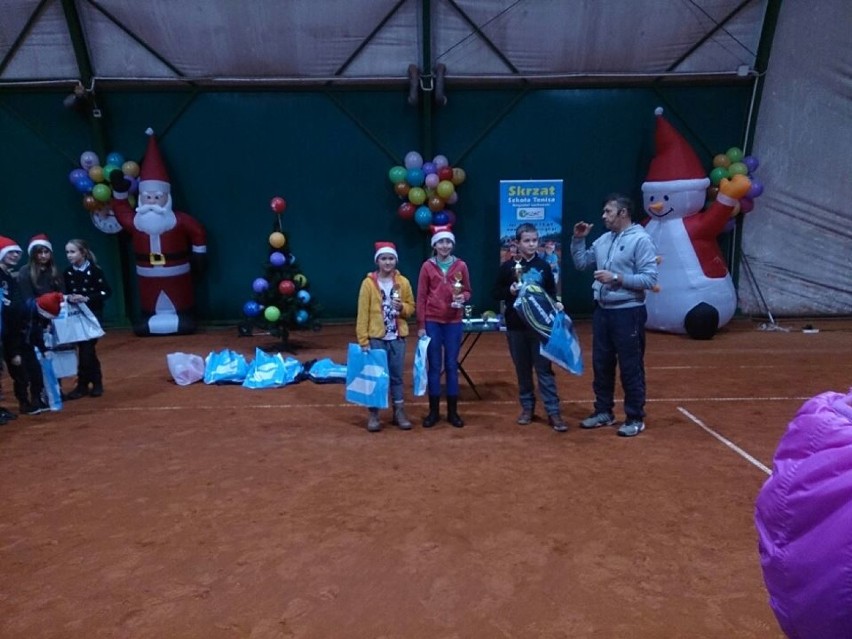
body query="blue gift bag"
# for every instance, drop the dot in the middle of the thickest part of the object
(421, 381)
(367, 377)
(326, 371)
(225, 367)
(562, 347)
(272, 371)
(53, 394)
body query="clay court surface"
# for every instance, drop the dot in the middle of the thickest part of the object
(220, 512)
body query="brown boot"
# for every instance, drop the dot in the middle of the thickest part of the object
(400, 418)
(373, 423)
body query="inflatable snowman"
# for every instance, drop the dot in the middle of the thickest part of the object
(696, 294)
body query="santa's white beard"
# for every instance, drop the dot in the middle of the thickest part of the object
(154, 219)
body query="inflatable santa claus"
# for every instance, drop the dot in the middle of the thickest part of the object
(696, 294)
(166, 244)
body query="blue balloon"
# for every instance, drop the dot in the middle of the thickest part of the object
(77, 174)
(277, 259)
(252, 308)
(751, 162)
(440, 218)
(303, 296)
(302, 316)
(756, 189)
(291, 259)
(259, 285)
(84, 185)
(415, 177)
(116, 159)
(429, 167)
(423, 217)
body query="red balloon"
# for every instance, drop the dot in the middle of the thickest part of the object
(278, 204)
(445, 173)
(286, 287)
(406, 211)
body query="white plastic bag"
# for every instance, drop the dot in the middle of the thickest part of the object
(185, 368)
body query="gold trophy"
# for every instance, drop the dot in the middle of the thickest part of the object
(458, 287)
(395, 297)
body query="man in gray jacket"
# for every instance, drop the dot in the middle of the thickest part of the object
(625, 263)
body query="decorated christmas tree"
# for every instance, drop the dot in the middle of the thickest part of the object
(282, 301)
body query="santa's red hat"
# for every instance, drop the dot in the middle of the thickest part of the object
(152, 173)
(49, 304)
(442, 233)
(39, 240)
(385, 248)
(675, 163)
(7, 245)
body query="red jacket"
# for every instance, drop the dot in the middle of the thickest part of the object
(435, 292)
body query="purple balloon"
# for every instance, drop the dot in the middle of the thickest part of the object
(751, 162)
(729, 225)
(451, 217)
(77, 174)
(755, 190)
(429, 167)
(259, 285)
(432, 180)
(277, 259)
(413, 160)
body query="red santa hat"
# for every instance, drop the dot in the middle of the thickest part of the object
(8, 245)
(152, 173)
(385, 248)
(442, 233)
(675, 163)
(39, 240)
(49, 304)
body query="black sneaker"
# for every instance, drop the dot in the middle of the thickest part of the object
(7, 414)
(36, 409)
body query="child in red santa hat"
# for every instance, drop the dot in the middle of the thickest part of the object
(385, 301)
(443, 289)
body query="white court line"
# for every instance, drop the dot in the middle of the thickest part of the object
(725, 441)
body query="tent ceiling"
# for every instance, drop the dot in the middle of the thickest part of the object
(258, 41)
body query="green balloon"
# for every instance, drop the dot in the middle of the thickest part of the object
(735, 154)
(718, 174)
(397, 174)
(101, 192)
(737, 168)
(272, 314)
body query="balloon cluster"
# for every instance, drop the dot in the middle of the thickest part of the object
(427, 188)
(727, 165)
(91, 179)
(281, 297)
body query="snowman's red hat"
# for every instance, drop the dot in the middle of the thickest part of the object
(675, 165)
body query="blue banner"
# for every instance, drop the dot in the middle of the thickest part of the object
(538, 202)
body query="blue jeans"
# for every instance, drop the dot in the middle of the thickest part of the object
(443, 352)
(618, 338)
(524, 347)
(395, 349)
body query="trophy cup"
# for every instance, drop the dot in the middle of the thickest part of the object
(458, 287)
(519, 271)
(395, 297)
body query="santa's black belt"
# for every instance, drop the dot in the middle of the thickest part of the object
(159, 259)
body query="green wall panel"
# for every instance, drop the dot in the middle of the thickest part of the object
(327, 154)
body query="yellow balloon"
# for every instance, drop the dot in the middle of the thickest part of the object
(277, 240)
(300, 280)
(96, 174)
(130, 168)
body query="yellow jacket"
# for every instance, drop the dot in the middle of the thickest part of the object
(370, 323)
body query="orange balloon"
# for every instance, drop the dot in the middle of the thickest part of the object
(721, 160)
(277, 240)
(90, 203)
(402, 189)
(435, 204)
